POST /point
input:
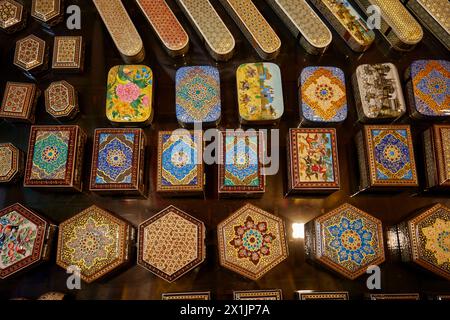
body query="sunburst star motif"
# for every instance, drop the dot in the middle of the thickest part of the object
(438, 240)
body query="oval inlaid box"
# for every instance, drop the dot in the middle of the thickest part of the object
(68, 54)
(61, 101)
(378, 93)
(210, 28)
(27, 240)
(166, 25)
(260, 93)
(122, 30)
(55, 158)
(323, 97)
(423, 240)
(428, 87)
(171, 244)
(48, 12)
(254, 26)
(345, 240)
(12, 163)
(305, 25)
(118, 161)
(31, 55)
(398, 26)
(129, 95)
(19, 102)
(13, 16)
(96, 241)
(347, 23)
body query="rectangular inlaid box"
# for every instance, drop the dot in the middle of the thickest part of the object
(258, 295)
(187, 296)
(436, 144)
(118, 161)
(378, 93)
(180, 163)
(386, 158)
(55, 158)
(394, 296)
(68, 54)
(313, 162)
(240, 169)
(19, 102)
(317, 295)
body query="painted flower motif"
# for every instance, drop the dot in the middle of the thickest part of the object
(145, 101)
(252, 240)
(438, 240)
(128, 92)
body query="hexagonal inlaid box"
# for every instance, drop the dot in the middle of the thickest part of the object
(345, 240)
(48, 12)
(26, 239)
(13, 16)
(252, 242)
(96, 241)
(31, 54)
(424, 240)
(61, 100)
(12, 163)
(171, 244)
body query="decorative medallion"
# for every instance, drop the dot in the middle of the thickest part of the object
(30, 53)
(251, 242)
(258, 295)
(11, 163)
(61, 100)
(12, 16)
(68, 53)
(19, 101)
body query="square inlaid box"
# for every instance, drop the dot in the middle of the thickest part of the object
(61, 101)
(31, 55)
(13, 16)
(436, 144)
(386, 158)
(118, 161)
(187, 296)
(180, 163)
(423, 240)
(19, 102)
(323, 96)
(55, 158)
(198, 98)
(68, 54)
(12, 163)
(129, 95)
(317, 295)
(240, 168)
(428, 86)
(258, 295)
(345, 240)
(26, 239)
(260, 93)
(48, 12)
(378, 93)
(394, 296)
(313, 162)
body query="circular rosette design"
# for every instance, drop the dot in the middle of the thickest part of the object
(50, 155)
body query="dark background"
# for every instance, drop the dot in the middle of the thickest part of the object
(294, 273)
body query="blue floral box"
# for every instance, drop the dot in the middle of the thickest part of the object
(118, 161)
(198, 96)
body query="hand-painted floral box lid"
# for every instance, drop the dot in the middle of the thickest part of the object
(198, 98)
(26, 239)
(317, 295)
(12, 163)
(398, 26)
(180, 162)
(48, 12)
(436, 142)
(378, 92)
(323, 96)
(187, 296)
(254, 26)
(313, 160)
(304, 24)
(345, 240)
(19, 102)
(252, 242)
(68, 54)
(424, 240)
(429, 88)
(118, 161)
(55, 157)
(240, 169)
(96, 241)
(61, 100)
(347, 22)
(166, 25)
(129, 95)
(258, 295)
(31, 55)
(260, 93)
(171, 244)
(210, 28)
(13, 16)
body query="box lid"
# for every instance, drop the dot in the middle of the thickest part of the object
(18, 101)
(439, 10)
(252, 242)
(9, 162)
(10, 13)
(30, 53)
(60, 99)
(67, 52)
(45, 10)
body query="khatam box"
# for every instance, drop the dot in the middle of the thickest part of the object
(12, 163)
(198, 98)
(436, 144)
(394, 296)
(55, 158)
(96, 241)
(424, 240)
(13, 16)
(240, 168)
(61, 101)
(68, 54)
(26, 239)
(258, 295)
(118, 161)
(19, 102)
(187, 296)
(313, 162)
(171, 244)
(129, 95)
(48, 12)
(260, 93)
(180, 163)
(252, 242)
(317, 295)
(31, 55)
(345, 240)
